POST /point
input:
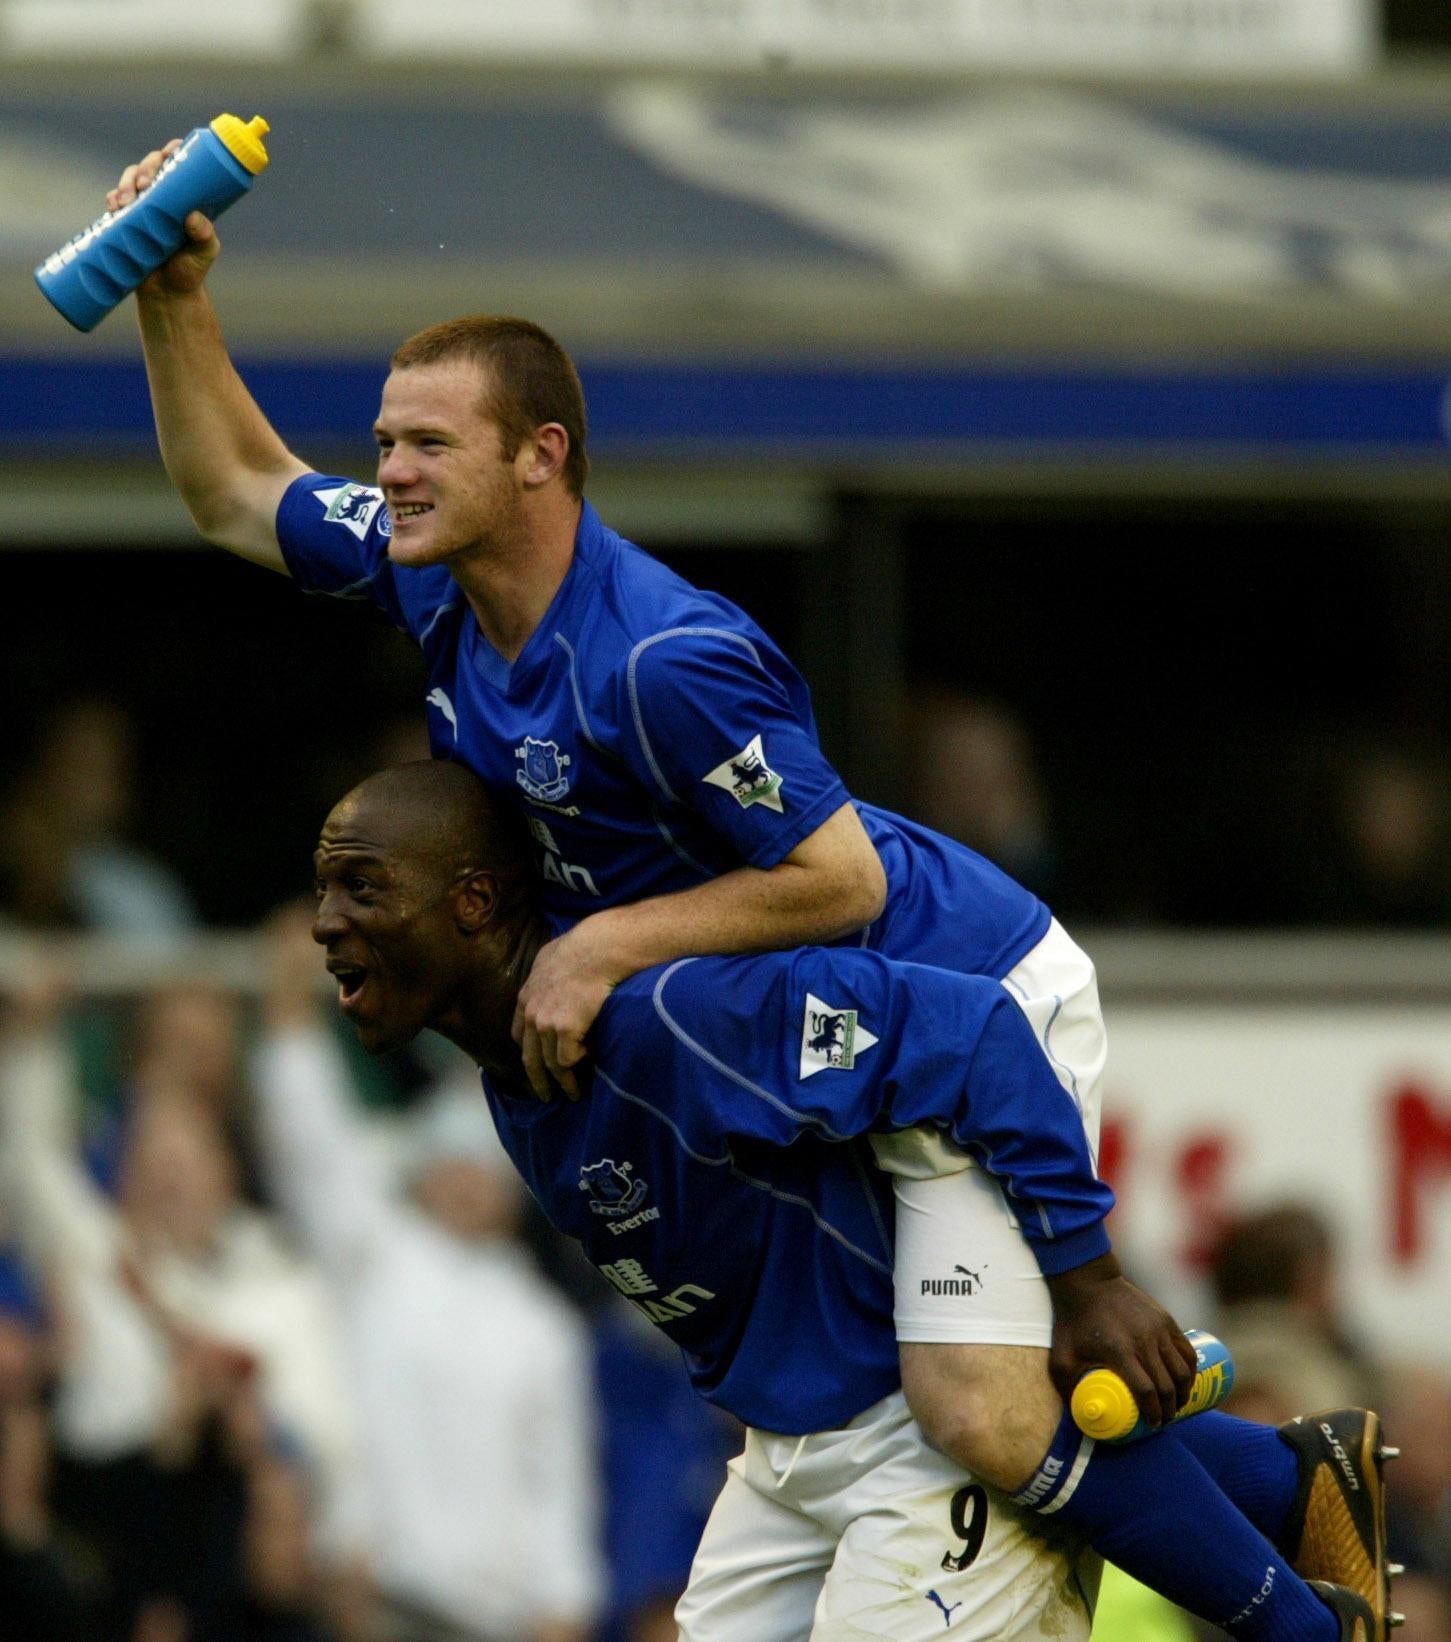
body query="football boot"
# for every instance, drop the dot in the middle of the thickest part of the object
(1357, 1622)
(1336, 1529)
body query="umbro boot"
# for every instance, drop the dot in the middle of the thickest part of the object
(1336, 1530)
(1357, 1622)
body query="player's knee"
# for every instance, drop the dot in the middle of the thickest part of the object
(992, 1409)
(960, 1427)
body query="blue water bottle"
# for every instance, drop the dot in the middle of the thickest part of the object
(215, 166)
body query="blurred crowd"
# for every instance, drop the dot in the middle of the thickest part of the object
(286, 1355)
(1275, 1278)
(1351, 829)
(282, 1357)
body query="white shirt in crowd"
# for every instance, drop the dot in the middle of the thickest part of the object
(250, 1290)
(473, 1377)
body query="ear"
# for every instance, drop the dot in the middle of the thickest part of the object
(542, 457)
(475, 900)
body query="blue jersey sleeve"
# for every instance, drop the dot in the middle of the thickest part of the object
(722, 724)
(838, 1043)
(334, 538)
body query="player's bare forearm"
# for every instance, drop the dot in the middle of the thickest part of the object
(222, 454)
(1101, 1320)
(830, 885)
(224, 457)
(795, 903)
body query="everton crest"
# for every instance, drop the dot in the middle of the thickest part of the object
(542, 777)
(611, 1189)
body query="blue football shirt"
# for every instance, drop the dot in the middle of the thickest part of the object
(651, 733)
(719, 1174)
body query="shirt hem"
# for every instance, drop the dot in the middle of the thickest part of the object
(780, 845)
(832, 1419)
(294, 561)
(1066, 1253)
(1011, 956)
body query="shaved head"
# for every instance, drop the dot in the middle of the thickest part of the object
(439, 817)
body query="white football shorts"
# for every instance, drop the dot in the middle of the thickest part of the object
(964, 1271)
(866, 1532)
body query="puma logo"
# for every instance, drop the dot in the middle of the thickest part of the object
(438, 698)
(947, 1612)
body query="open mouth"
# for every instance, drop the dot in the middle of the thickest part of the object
(405, 512)
(351, 979)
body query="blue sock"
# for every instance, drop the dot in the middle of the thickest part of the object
(1253, 1464)
(1151, 1508)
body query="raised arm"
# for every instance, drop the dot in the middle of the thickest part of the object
(224, 457)
(314, 1152)
(62, 1220)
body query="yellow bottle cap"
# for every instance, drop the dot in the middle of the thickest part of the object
(244, 139)
(1103, 1406)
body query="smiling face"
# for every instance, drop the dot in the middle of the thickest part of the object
(387, 919)
(441, 465)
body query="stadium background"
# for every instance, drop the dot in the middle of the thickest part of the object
(1072, 404)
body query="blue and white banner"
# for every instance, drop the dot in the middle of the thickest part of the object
(1043, 188)
(988, 192)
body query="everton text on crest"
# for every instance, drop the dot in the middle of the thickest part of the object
(616, 1192)
(543, 776)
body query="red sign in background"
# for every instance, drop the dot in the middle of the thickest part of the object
(1215, 1111)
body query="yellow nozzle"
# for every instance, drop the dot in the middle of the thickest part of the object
(1103, 1406)
(244, 139)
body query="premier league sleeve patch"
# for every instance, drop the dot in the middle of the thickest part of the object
(355, 506)
(831, 1038)
(748, 778)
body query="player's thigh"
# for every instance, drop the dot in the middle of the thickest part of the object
(992, 1409)
(975, 1320)
(758, 1571)
(933, 1551)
